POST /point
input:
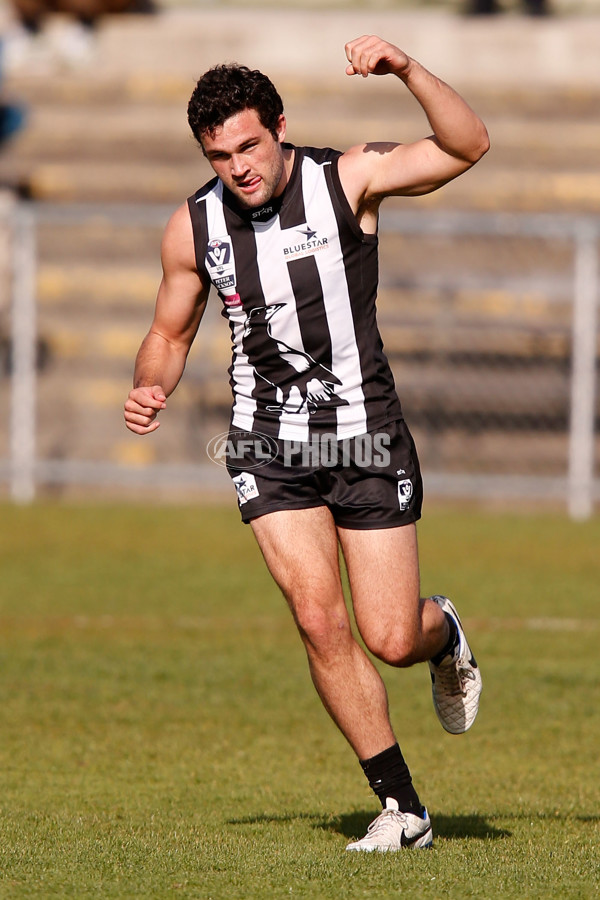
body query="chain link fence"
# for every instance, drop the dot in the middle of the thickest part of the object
(489, 322)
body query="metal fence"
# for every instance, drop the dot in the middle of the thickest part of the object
(489, 321)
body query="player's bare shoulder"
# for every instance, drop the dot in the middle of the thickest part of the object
(177, 247)
(182, 282)
(357, 167)
(353, 175)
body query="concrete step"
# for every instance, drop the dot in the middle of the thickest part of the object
(90, 131)
(109, 346)
(114, 347)
(131, 287)
(93, 292)
(145, 154)
(508, 51)
(525, 188)
(117, 129)
(145, 129)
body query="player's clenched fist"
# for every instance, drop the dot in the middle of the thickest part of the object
(142, 407)
(370, 55)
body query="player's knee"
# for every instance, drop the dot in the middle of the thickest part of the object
(394, 649)
(322, 630)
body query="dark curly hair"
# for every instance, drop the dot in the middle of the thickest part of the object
(226, 90)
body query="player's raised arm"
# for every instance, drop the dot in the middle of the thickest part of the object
(179, 308)
(377, 170)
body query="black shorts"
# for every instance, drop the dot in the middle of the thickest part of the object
(369, 481)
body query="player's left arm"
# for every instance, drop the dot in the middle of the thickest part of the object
(372, 171)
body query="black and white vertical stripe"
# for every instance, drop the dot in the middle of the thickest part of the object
(307, 279)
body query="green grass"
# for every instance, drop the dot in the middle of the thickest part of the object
(160, 736)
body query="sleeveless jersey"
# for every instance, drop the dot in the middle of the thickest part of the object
(298, 282)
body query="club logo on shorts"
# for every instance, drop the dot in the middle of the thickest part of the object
(405, 492)
(245, 485)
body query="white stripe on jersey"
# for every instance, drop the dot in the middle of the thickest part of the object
(244, 404)
(345, 358)
(283, 326)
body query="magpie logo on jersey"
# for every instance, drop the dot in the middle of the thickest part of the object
(220, 265)
(309, 384)
(302, 240)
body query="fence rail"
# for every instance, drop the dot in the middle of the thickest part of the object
(576, 285)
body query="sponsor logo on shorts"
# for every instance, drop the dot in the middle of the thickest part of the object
(242, 449)
(245, 485)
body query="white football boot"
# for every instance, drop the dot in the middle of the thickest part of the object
(456, 682)
(394, 830)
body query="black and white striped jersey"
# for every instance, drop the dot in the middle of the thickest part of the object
(298, 282)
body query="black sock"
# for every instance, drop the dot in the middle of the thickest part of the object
(388, 776)
(451, 643)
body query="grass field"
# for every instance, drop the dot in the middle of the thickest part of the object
(160, 736)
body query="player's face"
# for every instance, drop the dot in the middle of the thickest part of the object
(247, 158)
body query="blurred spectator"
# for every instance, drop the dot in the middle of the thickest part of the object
(493, 7)
(12, 115)
(72, 42)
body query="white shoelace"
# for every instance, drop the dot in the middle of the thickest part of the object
(386, 821)
(452, 679)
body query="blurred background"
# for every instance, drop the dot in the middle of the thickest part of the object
(489, 287)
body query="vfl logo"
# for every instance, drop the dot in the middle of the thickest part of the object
(219, 251)
(405, 492)
(220, 265)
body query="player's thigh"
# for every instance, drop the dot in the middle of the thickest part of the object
(300, 548)
(383, 571)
